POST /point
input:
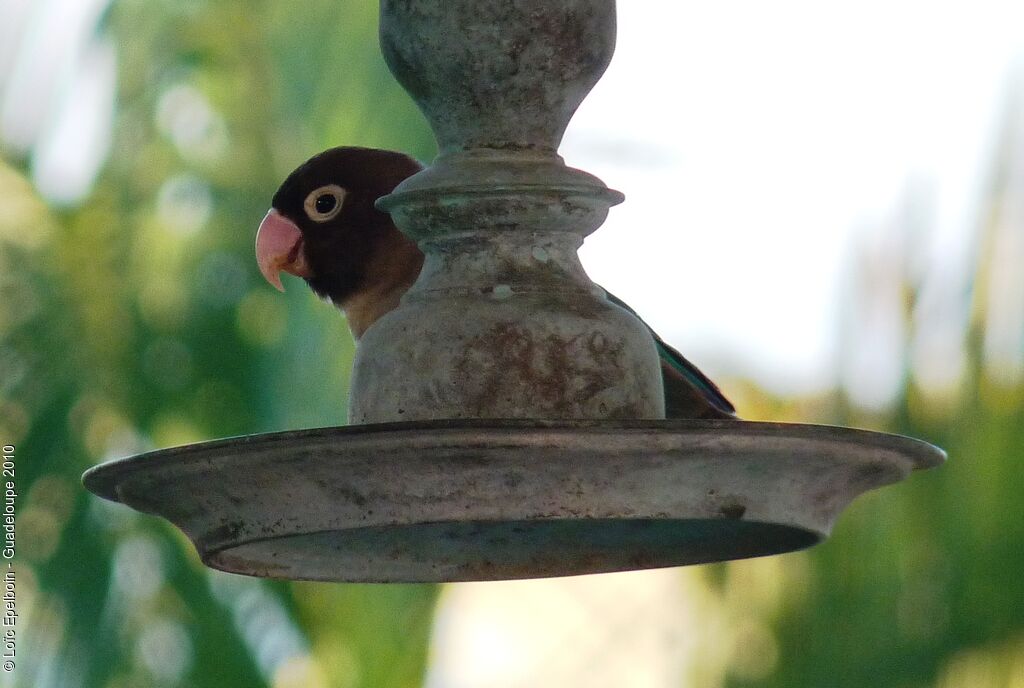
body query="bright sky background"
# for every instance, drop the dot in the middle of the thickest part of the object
(758, 143)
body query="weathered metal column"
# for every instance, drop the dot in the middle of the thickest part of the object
(503, 322)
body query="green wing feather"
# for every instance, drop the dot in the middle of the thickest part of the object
(689, 372)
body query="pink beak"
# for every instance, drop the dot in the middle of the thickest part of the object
(279, 248)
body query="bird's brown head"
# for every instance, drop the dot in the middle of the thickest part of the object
(323, 227)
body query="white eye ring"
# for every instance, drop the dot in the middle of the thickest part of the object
(332, 191)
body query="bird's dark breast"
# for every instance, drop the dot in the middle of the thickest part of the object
(338, 269)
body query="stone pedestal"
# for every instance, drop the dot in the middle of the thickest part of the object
(503, 322)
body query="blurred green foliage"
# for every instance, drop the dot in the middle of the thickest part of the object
(138, 320)
(920, 585)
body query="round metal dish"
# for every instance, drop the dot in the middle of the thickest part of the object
(487, 500)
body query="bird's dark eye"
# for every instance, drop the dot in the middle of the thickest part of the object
(324, 203)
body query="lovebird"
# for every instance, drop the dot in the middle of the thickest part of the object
(323, 226)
